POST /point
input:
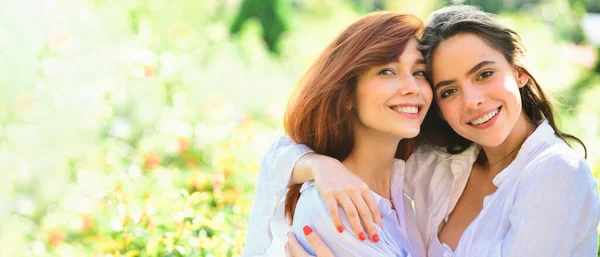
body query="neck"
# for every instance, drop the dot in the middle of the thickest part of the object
(371, 159)
(499, 157)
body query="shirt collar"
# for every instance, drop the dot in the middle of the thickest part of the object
(539, 136)
(463, 162)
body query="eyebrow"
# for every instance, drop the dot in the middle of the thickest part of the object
(420, 61)
(471, 71)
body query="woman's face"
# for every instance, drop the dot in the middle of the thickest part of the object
(477, 90)
(394, 98)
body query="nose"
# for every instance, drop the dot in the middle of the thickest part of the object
(409, 86)
(473, 97)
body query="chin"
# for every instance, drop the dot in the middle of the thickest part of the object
(493, 141)
(409, 134)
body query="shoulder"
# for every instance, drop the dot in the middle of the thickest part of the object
(311, 207)
(556, 164)
(557, 159)
(311, 210)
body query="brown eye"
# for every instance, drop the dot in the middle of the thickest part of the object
(387, 72)
(485, 75)
(446, 93)
(420, 73)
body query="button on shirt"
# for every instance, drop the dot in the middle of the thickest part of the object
(393, 239)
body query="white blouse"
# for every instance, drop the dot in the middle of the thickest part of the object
(546, 203)
(267, 226)
(394, 239)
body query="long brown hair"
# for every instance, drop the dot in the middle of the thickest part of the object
(449, 21)
(318, 113)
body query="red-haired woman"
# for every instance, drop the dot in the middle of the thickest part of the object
(360, 103)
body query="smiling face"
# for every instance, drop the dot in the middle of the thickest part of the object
(476, 89)
(394, 98)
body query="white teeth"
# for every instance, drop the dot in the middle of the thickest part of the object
(485, 117)
(407, 109)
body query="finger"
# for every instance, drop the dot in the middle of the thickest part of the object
(332, 206)
(294, 247)
(288, 252)
(353, 216)
(317, 244)
(365, 215)
(375, 213)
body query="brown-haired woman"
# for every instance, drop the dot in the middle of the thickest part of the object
(495, 176)
(359, 103)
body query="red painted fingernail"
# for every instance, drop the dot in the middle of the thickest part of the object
(362, 236)
(381, 215)
(375, 238)
(340, 229)
(307, 230)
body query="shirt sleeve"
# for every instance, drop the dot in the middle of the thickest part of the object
(311, 210)
(271, 187)
(555, 212)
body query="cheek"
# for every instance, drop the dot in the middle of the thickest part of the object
(450, 110)
(507, 90)
(505, 85)
(426, 92)
(366, 99)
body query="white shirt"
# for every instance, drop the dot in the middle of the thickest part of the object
(394, 239)
(546, 204)
(435, 179)
(267, 226)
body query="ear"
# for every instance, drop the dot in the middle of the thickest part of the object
(522, 77)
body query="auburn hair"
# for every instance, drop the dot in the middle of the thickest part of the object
(318, 113)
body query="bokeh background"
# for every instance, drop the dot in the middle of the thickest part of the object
(136, 127)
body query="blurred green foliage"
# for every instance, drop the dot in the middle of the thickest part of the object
(270, 13)
(136, 127)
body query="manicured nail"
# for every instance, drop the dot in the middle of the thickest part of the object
(375, 238)
(285, 247)
(362, 236)
(381, 215)
(340, 229)
(307, 230)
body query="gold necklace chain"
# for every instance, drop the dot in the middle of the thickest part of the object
(490, 165)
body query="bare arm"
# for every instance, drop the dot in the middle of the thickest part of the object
(303, 171)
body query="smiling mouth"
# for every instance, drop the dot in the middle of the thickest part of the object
(406, 109)
(485, 118)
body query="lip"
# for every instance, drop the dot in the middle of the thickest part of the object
(488, 123)
(408, 115)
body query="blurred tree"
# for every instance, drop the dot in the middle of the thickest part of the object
(574, 33)
(272, 16)
(369, 5)
(497, 6)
